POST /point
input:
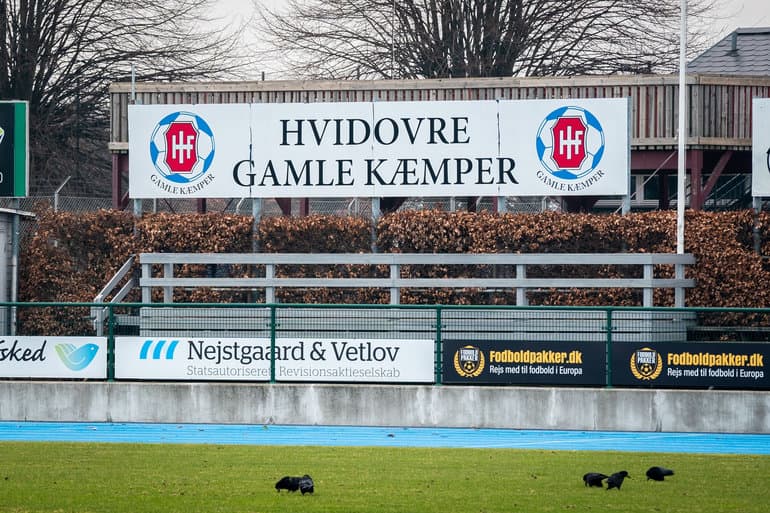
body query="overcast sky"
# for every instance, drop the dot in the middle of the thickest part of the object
(744, 13)
(737, 13)
(734, 14)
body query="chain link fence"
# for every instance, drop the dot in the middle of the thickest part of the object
(353, 207)
(358, 207)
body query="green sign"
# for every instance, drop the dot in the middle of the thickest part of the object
(14, 154)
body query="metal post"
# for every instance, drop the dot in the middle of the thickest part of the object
(133, 83)
(375, 217)
(757, 204)
(273, 327)
(681, 171)
(395, 274)
(393, 41)
(438, 357)
(110, 343)
(15, 250)
(168, 291)
(521, 292)
(146, 291)
(647, 299)
(269, 290)
(256, 213)
(625, 205)
(608, 351)
(56, 194)
(502, 204)
(679, 291)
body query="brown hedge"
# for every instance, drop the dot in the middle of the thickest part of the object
(71, 256)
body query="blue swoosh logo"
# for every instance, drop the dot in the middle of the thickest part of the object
(157, 350)
(76, 358)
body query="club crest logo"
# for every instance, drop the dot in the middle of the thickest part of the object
(182, 147)
(646, 364)
(469, 361)
(570, 143)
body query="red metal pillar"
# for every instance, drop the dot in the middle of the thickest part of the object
(119, 172)
(695, 163)
(716, 173)
(304, 207)
(285, 205)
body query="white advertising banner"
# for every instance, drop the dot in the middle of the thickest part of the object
(370, 360)
(248, 359)
(205, 359)
(760, 135)
(380, 149)
(53, 357)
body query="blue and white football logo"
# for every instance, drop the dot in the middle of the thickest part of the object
(182, 147)
(570, 142)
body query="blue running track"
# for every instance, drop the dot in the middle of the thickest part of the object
(232, 434)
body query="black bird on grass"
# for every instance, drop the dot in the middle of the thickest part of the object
(287, 483)
(306, 484)
(616, 479)
(594, 479)
(658, 473)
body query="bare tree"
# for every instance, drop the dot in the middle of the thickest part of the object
(477, 38)
(61, 56)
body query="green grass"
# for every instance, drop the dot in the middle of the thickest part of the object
(135, 478)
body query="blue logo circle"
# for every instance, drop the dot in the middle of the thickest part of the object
(182, 147)
(570, 142)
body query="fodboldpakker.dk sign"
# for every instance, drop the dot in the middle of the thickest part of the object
(524, 363)
(691, 365)
(654, 365)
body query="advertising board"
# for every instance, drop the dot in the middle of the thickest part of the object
(380, 149)
(296, 359)
(14, 148)
(524, 363)
(53, 357)
(691, 365)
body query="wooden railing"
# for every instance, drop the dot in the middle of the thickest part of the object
(720, 106)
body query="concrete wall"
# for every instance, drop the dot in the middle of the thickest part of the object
(377, 405)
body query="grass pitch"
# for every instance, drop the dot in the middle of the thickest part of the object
(136, 478)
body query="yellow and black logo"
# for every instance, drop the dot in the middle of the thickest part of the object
(646, 364)
(469, 361)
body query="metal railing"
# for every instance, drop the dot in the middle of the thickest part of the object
(606, 335)
(99, 312)
(395, 281)
(734, 193)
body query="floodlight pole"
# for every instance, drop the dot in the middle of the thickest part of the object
(393, 41)
(681, 169)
